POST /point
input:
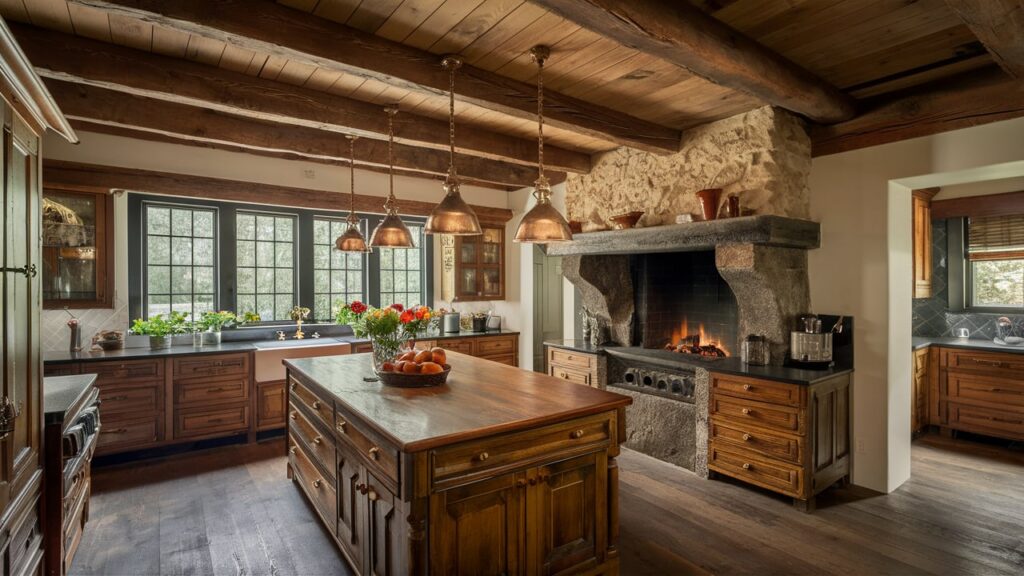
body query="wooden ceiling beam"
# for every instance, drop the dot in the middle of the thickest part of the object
(678, 32)
(77, 176)
(999, 24)
(267, 27)
(101, 106)
(83, 61)
(961, 101)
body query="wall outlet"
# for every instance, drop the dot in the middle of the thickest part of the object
(860, 446)
(309, 173)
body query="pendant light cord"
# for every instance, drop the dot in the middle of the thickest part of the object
(540, 115)
(352, 176)
(453, 65)
(391, 110)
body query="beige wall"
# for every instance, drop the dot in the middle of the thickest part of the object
(862, 200)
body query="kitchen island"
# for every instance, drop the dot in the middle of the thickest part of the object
(499, 471)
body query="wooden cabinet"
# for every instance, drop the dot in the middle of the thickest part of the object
(78, 249)
(473, 267)
(502, 348)
(920, 390)
(133, 403)
(579, 367)
(981, 392)
(270, 404)
(922, 241)
(789, 438)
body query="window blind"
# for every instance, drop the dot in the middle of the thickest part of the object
(996, 237)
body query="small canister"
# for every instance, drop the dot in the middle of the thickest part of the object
(755, 350)
(451, 322)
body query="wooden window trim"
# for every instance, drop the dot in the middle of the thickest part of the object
(105, 275)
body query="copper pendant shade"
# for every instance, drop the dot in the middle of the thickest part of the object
(452, 215)
(543, 223)
(391, 232)
(352, 239)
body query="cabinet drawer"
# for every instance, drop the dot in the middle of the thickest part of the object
(374, 450)
(570, 359)
(760, 390)
(211, 365)
(782, 446)
(194, 422)
(750, 412)
(464, 346)
(494, 346)
(304, 396)
(320, 447)
(60, 369)
(118, 372)
(320, 490)
(986, 421)
(570, 375)
(974, 388)
(131, 399)
(204, 391)
(1010, 364)
(749, 467)
(464, 461)
(122, 434)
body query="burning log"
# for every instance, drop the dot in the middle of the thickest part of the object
(692, 345)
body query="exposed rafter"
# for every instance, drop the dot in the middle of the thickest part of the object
(684, 35)
(101, 106)
(270, 28)
(999, 24)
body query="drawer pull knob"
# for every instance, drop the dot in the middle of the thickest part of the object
(318, 440)
(746, 387)
(746, 411)
(562, 375)
(361, 488)
(570, 357)
(577, 434)
(372, 496)
(316, 404)
(291, 450)
(746, 465)
(746, 437)
(291, 386)
(520, 483)
(317, 483)
(293, 414)
(374, 453)
(483, 456)
(341, 426)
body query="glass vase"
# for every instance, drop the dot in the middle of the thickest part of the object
(385, 349)
(212, 337)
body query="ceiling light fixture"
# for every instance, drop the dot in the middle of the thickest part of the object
(452, 215)
(391, 232)
(352, 239)
(543, 223)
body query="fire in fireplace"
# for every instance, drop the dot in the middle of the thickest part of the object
(699, 343)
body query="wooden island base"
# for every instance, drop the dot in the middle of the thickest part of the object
(500, 471)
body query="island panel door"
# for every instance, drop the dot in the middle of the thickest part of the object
(478, 529)
(570, 506)
(351, 505)
(381, 550)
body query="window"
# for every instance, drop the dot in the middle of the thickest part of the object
(995, 251)
(181, 262)
(402, 278)
(265, 271)
(337, 276)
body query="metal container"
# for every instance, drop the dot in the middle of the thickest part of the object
(811, 347)
(755, 351)
(451, 323)
(479, 323)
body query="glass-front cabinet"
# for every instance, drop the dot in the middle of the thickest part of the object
(78, 257)
(480, 265)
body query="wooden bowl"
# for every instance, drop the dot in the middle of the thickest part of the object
(627, 220)
(403, 380)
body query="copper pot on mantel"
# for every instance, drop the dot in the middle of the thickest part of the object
(709, 202)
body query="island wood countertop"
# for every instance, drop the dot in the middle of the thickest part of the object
(481, 398)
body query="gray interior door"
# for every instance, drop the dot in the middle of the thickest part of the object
(547, 303)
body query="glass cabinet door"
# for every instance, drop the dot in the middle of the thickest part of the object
(480, 266)
(77, 249)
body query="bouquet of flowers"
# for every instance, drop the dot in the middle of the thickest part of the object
(351, 314)
(390, 328)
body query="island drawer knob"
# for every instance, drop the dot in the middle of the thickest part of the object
(483, 456)
(341, 426)
(746, 437)
(746, 387)
(291, 450)
(293, 414)
(316, 404)
(375, 453)
(746, 465)
(318, 440)
(317, 483)
(745, 410)
(577, 434)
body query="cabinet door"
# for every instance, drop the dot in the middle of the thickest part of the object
(569, 513)
(270, 405)
(478, 529)
(351, 504)
(381, 529)
(922, 242)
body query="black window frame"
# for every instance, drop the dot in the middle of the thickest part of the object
(226, 259)
(961, 273)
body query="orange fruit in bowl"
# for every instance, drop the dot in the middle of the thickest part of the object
(438, 356)
(398, 366)
(388, 366)
(411, 368)
(423, 356)
(431, 368)
(408, 356)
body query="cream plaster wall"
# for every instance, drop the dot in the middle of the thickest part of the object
(862, 200)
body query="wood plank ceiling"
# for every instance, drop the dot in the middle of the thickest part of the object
(868, 49)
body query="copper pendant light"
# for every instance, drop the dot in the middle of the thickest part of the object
(452, 215)
(543, 223)
(391, 232)
(352, 239)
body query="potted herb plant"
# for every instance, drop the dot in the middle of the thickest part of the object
(160, 330)
(214, 323)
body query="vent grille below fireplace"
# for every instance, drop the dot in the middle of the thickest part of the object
(675, 385)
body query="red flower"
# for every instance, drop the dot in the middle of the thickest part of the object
(406, 317)
(420, 312)
(398, 307)
(357, 307)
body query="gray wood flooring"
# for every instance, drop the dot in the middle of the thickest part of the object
(232, 511)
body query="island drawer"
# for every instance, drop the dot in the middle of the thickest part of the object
(320, 449)
(772, 444)
(468, 459)
(196, 422)
(1012, 365)
(131, 398)
(973, 388)
(300, 394)
(122, 434)
(118, 372)
(760, 390)
(373, 449)
(211, 365)
(751, 412)
(203, 391)
(986, 421)
(571, 359)
(749, 467)
(320, 490)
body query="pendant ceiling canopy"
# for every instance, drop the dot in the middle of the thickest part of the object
(543, 223)
(352, 239)
(391, 232)
(452, 215)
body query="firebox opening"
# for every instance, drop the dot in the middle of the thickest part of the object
(684, 305)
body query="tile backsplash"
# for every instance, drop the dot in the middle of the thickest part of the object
(55, 334)
(932, 317)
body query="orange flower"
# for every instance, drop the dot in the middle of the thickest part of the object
(406, 317)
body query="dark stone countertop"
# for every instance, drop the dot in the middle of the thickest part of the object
(732, 365)
(576, 346)
(60, 393)
(919, 342)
